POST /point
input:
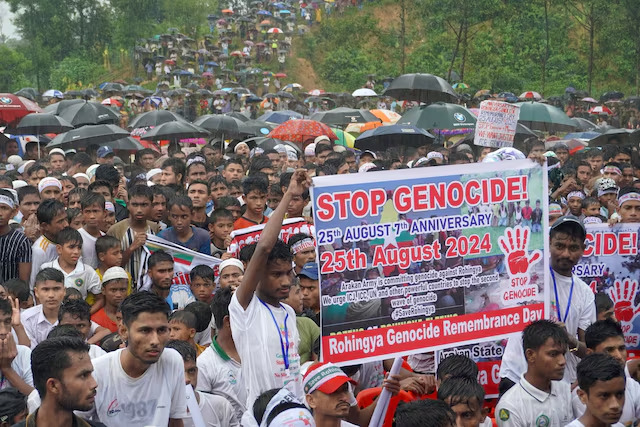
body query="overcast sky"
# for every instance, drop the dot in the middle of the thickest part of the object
(7, 20)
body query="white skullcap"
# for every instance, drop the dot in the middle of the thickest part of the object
(231, 261)
(310, 150)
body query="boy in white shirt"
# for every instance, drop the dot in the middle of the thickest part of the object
(93, 213)
(15, 360)
(215, 410)
(52, 218)
(540, 398)
(264, 330)
(142, 384)
(77, 275)
(602, 383)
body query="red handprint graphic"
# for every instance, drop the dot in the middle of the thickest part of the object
(515, 244)
(622, 294)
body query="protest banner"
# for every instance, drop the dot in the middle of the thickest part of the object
(611, 264)
(246, 236)
(496, 124)
(183, 261)
(429, 259)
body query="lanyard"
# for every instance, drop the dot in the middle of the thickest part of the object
(555, 290)
(283, 345)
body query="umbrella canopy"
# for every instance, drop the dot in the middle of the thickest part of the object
(292, 87)
(544, 117)
(624, 136)
(274, 30)
(38, 124)
(175, 131)
(154, 118)
(88, 113)
(28, 92)
(238, 115)
(384, 137)
(387, 116)
(439, 116)
(302, 130)
(59, 106)
(589, 100)
(112, 87)
(530, 95)
(344, 116)
(344, 138)
(269, 143)
(126, 144)
(522, 133)
(364, 92)
(583, 124)
(279, 117)
(90, 134)
(53, 93)
(585, 136)
(257, 128)
(425, 88)
(13, 107)
(220, 125)
(600, 109)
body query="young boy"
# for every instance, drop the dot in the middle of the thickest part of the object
(29, 199)
(15, 248)
(160, 271)
(182, 232)
(50, 188)
(215, 410)
(202, 284)
(93, 214)
(19, 289)
(595, 159)
(109, 253)
(198, 193)
(76, 313)
(298, 203)
(182, 326)
(75, 196)
(602, 390)
(590, 208)
(540, 397)
(574, 202)
(52, 219)
(114, 289)
(466, 398)
(629, 205)
(307, 328)
(303, 249)
(230, 273)
(220, 228)
(77, 275)
(109, 217)
(16, 366)
(159, 212)
(607, 195)
(132, 232)
(217, 188)
(40, 319)
(231, 204)
(255, 196)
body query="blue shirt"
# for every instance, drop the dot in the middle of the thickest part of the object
(199, 242)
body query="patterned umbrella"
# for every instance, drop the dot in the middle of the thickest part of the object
(530, 95)
(600, 109)
(14, 107)
(301, 130)
(387, 116)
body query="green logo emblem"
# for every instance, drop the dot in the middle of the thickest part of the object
(79, 283)
(503, 414)
(542, 421)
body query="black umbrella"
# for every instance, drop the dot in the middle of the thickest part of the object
(91, 134)
(125, 144)
(270, 143)
(220, 125)
(282, 94)
(384, 137)
(61, 105)
(28, 92)
(154, 118)
(37, 124)
(89, 113)
(625, 136)
(238, 115)
(583, 124)
(112, 87)
(257, 128)
(344, 116)
(425, 88)
(175, 131)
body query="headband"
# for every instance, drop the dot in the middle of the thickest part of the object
(302, 245)
(610, 190)
(82, 175)
(627, 197)
(235, 149)
(435, 155)
(283, 396)
(6, 200)
(152, 173)
(578, 194)
(612, 169)
(555, 209)
(231, 262)
(592, 220)
(49, 182)
(291, 155)
(195, 160)
(109, 207)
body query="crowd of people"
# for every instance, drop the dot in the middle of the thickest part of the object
(85, 326)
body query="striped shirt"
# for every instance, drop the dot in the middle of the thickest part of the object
(43, 250)
(15, 249)
(123, 232)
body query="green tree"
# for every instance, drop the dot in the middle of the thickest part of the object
(13, 69)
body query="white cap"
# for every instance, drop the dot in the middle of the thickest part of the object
(58, 151)
(231, 261)
(235, 149)
(280, 148)
(152, 173)
(18, 183)
(310, 150)
(49, 181)
(366, 167)
(339, 148)
(82, 175)
(25, 165)
(14, 160)
(292, 155)
(91, 171)
(114, 273)
(321, 138)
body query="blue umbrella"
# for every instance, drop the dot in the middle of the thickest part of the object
(211, 64)
(384, 137)
(284, 12)
(582, 135)
(265, 13)
(280, 116)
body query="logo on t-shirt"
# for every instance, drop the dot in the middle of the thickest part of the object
(79, 282)
(542, 421)
(113, 409)
(503, 414)
(232, 378)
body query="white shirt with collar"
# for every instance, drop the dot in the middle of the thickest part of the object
(83, 278)
(582, 313)
(36, 325)
(21, 364)
(525, 405)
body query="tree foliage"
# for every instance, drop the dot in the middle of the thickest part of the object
(13, 69)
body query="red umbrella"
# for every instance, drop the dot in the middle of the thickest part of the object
(301, 130)
(600, 109)
(236, 53)
(13, 108)
(281, 75)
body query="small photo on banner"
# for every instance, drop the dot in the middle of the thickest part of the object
(247, 236)
(496, 124)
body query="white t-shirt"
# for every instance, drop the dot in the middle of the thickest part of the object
(21, 364)
(258, 340)
(149, 400)
(631, 408)
(83, 278)
(95, 351)
(582, 313)
(216, 412)
(89, 255)
(577, 423)
(36, 324)
(43, 250)
(525, 405)
(220, 374)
